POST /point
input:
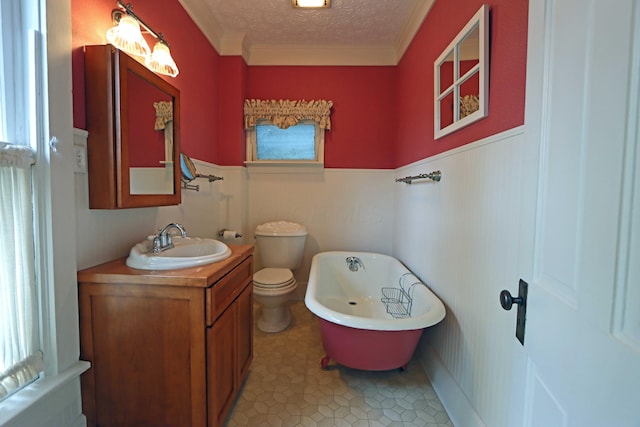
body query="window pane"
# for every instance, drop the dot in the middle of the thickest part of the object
(17, 19)
(21, 360)
(294, 143)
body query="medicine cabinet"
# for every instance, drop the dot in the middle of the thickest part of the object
(133, 120)
(461, 77)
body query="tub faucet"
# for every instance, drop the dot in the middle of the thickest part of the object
(354, 262)
(162, 241)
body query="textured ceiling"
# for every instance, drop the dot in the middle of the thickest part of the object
(375, 31)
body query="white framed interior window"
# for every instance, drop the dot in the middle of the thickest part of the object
(285, 133)
(461, 77)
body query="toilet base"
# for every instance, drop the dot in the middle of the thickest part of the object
(274, 319)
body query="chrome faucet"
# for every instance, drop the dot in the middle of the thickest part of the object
(162, 241)
(354, 262)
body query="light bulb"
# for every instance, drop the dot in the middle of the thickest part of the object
(127, 37)
(161, 61)
(311, 3)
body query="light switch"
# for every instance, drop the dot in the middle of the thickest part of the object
(79, 158)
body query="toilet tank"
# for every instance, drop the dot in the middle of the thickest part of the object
(280, 244)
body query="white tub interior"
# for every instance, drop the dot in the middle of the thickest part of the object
(353, 298)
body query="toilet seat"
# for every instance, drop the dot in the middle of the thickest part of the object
(273, 278)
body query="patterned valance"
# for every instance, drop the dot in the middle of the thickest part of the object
(164, 114)
(285, 113)
(469, 104)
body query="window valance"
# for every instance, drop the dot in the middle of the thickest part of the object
(285, 113)
(164, 113)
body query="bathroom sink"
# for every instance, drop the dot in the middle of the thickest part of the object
(187, 252)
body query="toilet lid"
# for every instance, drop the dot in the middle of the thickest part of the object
(273, 277)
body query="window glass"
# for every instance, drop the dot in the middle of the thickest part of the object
(21, 358)
(294, 143)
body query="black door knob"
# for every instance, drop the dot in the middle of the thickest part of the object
(507, 300)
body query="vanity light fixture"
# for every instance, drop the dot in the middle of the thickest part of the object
(311, 4)
(126, 36)
(160, 61)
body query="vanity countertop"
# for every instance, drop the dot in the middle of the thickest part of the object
(117, 271)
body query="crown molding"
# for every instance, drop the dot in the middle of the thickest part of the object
(236, 44)
(206, 21)
(418, 15)
(231, 44)
(320, 55)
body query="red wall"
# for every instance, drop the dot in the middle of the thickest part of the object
(362, 118)
(382, 116)
(197, 61)
(230, 148)
(150, 153)
(507, 64)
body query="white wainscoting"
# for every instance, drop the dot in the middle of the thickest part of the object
(200, 211)
(152, 180)
(460, 236)
(342, 209)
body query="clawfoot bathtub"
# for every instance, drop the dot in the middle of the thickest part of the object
(372, 309)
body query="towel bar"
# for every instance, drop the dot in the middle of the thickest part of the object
(433, 176)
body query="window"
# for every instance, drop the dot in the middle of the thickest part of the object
(21, 360)
(286, 132)
(294, 143)
(303, 142)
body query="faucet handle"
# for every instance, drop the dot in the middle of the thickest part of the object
(156, 244)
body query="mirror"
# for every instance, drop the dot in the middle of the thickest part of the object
(149, 122)
(189, 173)
(150, 137)
(133, 120)
(461, 77)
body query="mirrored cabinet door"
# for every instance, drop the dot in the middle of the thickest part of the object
(133, 120)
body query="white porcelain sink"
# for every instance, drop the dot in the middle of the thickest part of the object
(187, 252)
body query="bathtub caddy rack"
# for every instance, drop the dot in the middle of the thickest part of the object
(398, 301)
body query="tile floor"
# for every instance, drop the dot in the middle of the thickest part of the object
(287, 387)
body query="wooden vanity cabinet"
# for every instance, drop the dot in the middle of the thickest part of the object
(166, 348)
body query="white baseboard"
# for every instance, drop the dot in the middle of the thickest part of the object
(460, 411)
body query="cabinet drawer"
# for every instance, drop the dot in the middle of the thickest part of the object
(225, 290)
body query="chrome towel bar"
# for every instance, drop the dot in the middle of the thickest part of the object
(433, 176)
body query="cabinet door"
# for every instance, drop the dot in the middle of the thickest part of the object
(146, 348)
(245, 331)
(130, 163)
(221, 366)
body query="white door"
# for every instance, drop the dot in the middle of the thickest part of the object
(581, 234)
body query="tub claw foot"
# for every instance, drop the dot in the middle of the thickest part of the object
(324, 363)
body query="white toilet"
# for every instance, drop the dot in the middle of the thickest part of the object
(280, 246)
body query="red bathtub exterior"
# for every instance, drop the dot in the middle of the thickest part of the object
(366, 349)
